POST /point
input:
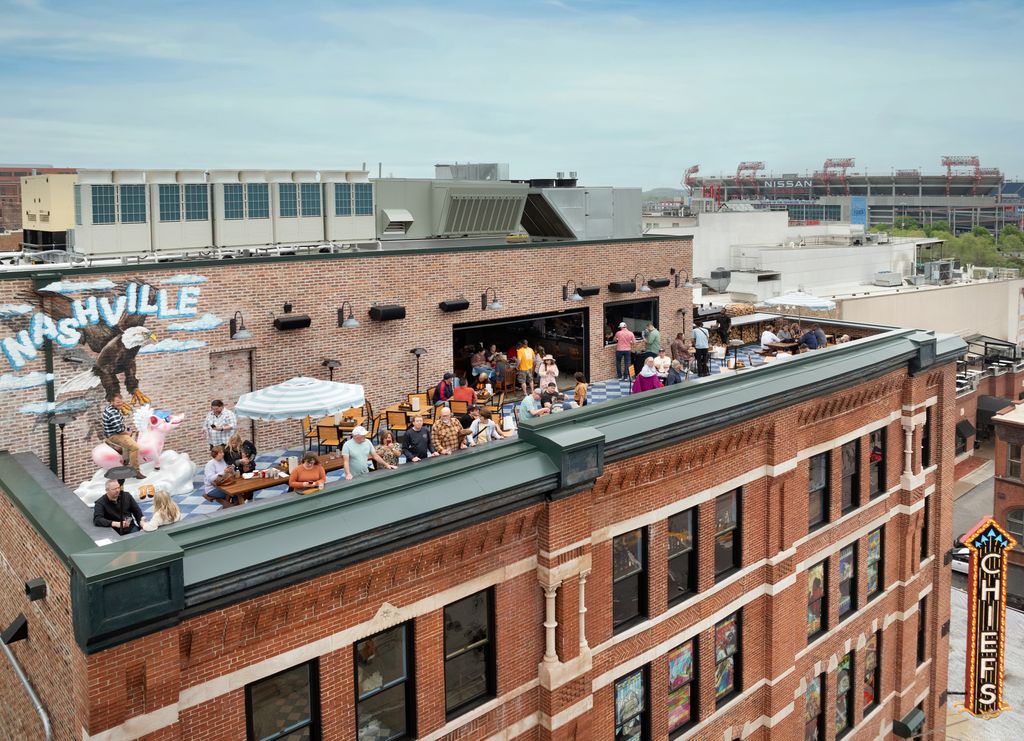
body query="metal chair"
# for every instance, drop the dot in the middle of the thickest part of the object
(423, 397)
(327, 437)
(397, 421)
(458, 407)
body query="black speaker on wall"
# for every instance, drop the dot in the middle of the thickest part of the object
(386, 312)
(455, 304)
(622, 286)
(658, 282)
(588, 290)
(292, 321)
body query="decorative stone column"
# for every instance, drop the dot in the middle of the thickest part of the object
(583, 612)
(550, 622)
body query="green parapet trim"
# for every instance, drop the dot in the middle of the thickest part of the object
(126, 588)
(439, 247)
(33, 489)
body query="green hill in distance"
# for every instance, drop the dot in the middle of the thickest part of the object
(662, 194)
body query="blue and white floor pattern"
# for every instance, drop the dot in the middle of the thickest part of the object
(597, 392)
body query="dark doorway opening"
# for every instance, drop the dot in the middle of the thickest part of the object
(563, 335)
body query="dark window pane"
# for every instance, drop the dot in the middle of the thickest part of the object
(851, 479)
(725, 512)
(877, 458)
(847, 579)
(281, 702)
(724, 550)
(627, 555)
(380, 661)
(465, 622)
(680, 577)
(383, 716)
(816, 588)
(680, 533)
(465, 677)
(636, 315)
(625, 599)
(815, 509)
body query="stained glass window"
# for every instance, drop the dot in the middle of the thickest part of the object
(630, 703)
(727, 642)
(816, 603)
(847, 579)
(812, 711)
(875, 577)
(682, 694)
(844, 694)
(872, 673)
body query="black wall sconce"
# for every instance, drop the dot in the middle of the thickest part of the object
(640, 281)
(386, 312)
(575, 295)
(291, 321)
(16, 631)
(589, 290)
(495, 304)
(659, 282)
(236, 328)
(454, 304)
(622, 286)
(676, 273)
(330, 364)
(347, 320)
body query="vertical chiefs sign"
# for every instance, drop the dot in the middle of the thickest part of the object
(986, 617)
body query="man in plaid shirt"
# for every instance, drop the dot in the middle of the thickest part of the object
(116, 431)
(447, 433)
(220, 424)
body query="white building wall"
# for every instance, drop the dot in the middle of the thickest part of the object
(993, 308)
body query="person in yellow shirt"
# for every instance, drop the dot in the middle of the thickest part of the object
(524, 370)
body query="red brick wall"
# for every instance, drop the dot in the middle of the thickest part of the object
(375, 355)
(11, 242)
(49, 657)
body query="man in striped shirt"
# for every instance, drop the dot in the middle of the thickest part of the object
(220, 424)
(116, 431)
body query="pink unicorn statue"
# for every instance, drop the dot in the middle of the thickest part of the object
(153, 426)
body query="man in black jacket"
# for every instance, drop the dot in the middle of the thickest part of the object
(118, 510)
(416, 444)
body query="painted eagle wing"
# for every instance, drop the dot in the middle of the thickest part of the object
(96, 336)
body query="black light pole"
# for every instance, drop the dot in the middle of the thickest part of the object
(60, 420)
(419, 352)
(330, 364)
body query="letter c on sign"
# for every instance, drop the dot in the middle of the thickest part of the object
(983, 563)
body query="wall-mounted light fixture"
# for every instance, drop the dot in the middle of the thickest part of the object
(640, 281)
(35, 589)
(330, 364)
(236, 328)
(419, 352)
(347, 321)
(688, 283)
(495, 304)
(575, 295)
(16, 631)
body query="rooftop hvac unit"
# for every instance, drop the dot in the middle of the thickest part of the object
(719, 280)
(888, 278)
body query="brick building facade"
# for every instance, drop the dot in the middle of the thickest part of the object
(735, 557)
(1008, 492)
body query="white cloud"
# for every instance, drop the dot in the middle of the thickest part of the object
(203, 323)
(71, 286)
(169, 345)
(14, 382)
(9, 311)
(183, 279)
(52, 407)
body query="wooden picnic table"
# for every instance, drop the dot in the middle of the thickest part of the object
(783, 346)
(239, 486)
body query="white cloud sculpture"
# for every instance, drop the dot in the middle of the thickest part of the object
(70, 286)
(176, 476)
(169, 345)
(14, 382)
(9, 311)
(183, 279)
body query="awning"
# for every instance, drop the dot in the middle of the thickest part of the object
(993, 404)
(965, 429)
(300, 397)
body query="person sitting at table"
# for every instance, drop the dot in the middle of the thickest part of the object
(444, 390)
(647, 378)
(490, 353)
(809, 339)
(531, 405)
(307, 475)
(356, 454)
(165, 511)
(388, 449)
(472, 412)
(482, 387)
(768, 337)
(416, 444)
(548, 372)
(662, 364)
(675, 374)
(551, 396)
(446, 433)
(483, 430)
(819, 333)
(215, 473)
(240, 453)
(579, 393)
(784, 334)
(464, 393)
(478, 363)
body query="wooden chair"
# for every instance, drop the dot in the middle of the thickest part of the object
(308, 433)
(496, 403)
(430, 395)
(327, 437)
(375, 423)
(424, 400)
(397, 421)
(458, 407)
(515, 414)
(508, 381)
(368, 407)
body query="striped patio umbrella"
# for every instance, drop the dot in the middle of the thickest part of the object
(300, 397)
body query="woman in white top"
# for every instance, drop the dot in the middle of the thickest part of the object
(768, 336)
(483, 429)
(662, 364)
(165, 511)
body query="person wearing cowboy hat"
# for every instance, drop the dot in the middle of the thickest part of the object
(548, 372)
(356, 454)
(624, 340)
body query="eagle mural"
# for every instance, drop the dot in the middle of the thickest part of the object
(115, 348)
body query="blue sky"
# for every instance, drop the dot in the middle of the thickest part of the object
(626, 93)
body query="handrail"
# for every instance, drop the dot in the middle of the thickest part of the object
(31, 692)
